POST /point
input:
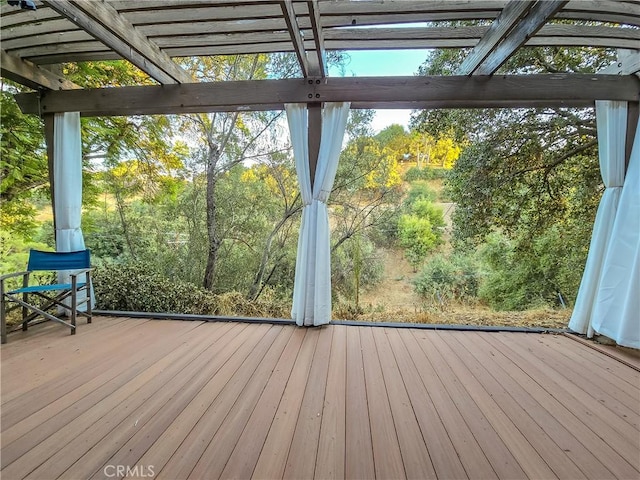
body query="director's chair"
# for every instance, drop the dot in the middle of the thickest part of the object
(52, 296)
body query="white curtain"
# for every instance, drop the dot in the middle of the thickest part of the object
(67, 181)
(312, 287)
(611, 119)
(67, 186)
(616, 313)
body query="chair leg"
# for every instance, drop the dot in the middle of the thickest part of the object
(89, 304)
(3, 315)
(74, 304)
(25, 299)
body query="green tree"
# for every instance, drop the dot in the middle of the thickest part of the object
(23, 165)
(526, 172)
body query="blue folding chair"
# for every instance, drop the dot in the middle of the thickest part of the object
(52, 297)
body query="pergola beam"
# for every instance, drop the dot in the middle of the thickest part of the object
(26, 73)
(499, 29)
(628, 63)
(509, 91)
(535, 19)
(103, 22)
(296, 37)
(318, 36)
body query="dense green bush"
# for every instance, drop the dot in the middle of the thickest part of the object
(528, 272)
(136, 287)
(420, 230)
(419, 189)
(426, 173)
(448, 278)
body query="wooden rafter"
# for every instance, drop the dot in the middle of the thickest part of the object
(535, 18)
(26, 73)
(105, 24)
(508, 91)
(501, 26)
(318, 37)
(296, 36)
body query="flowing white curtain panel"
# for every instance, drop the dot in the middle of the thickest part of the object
(67, 187)
(312, 287)
(611, 118)
(616, 312)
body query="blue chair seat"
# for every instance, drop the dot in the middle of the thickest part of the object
(47, 288)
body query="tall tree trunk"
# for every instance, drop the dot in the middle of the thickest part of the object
(212, 231)
(120, 206)
(257, 285)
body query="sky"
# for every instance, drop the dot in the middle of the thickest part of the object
(384, 63)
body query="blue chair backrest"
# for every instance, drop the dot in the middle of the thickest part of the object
(39, 260)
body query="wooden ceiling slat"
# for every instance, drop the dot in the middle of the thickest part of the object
(214, 27)
(47, 39)
(40, 28)
(105, 24)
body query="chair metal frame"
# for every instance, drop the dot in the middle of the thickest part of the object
(78, 263)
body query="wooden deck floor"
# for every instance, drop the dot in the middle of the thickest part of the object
(182, 399)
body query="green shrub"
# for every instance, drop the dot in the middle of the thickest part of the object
(136, 287)
(448, 278)
(525, 272)
(425, 173)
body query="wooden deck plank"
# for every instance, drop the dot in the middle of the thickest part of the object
(384, 438)
(130, 453)
(527, 457)
(215, 457)
(441, 450)
(543, 444)
(65, 409)
(29, 456)
(590, 396)
(550, 414)
(273, 456)
(93, 441)
(358, 448)
(231, 377)
(236, 400)
(468, 428)
(301, 461)
(55, 370)
(613, 446)
(600, 382)
(415, 456)
(55, 361)
(331, 449)
(628, 356)
(245, 455)
(22, 343)
(593, 355)
(86, 338)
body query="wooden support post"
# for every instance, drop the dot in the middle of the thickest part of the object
(315, 132)
(49, 139)
(633, 110)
